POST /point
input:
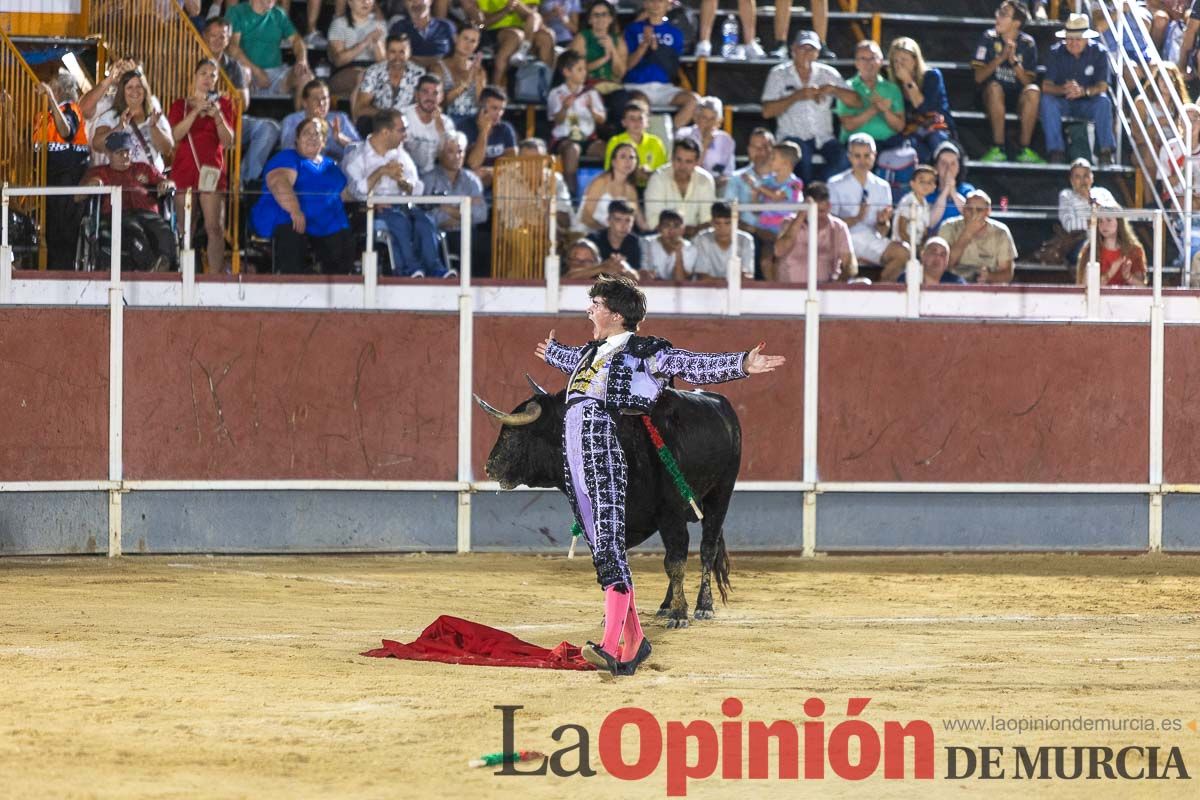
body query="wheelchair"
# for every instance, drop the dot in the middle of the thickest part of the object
(93, 247)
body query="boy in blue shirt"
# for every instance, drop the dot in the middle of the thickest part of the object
(654, 51)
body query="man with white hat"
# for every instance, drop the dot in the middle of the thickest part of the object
(1076, 84)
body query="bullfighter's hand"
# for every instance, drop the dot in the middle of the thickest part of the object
(756, 362)
(540, 350)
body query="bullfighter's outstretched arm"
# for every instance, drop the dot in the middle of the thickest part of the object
(705, 368)
(559, 356)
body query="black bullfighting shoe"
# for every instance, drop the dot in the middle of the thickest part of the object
(629, 667)
(599, 658)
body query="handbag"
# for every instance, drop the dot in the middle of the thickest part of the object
(924, 124)
(210, 177)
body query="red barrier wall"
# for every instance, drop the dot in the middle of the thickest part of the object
(284, 394)
(1181, 404)
(54, 394)
(768, 405)
(983, 401)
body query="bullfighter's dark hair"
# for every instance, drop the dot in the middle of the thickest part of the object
(622, 297)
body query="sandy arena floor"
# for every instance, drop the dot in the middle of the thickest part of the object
(239, 677)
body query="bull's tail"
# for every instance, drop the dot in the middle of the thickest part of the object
(721, 569)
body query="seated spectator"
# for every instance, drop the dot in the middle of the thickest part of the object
(601, 43)
(427, 125)
(981, 249)
(259, 30)
(382, 166)
(928, 121)
(880, 110)
(947, 200)
(617, 243)
(1121, 256)
(512, 27)
(389, 84)
(259, 134)
(820, 27)
(1076, 84)
(432, 37)
(1138, 46)
(1006, 67)
(779, 186)
(716, 145)
(490, 136)
(342, 133)
(534, 146)
(800, 93)
(463, 77)
(835, 252)
(584, 263)
(1189, 51)
(714, 247)
(682, 185)
(135, 110)
(303, 207)
(935, 257)
(575, 111)
(450, 178)
(202, 127)
(667, 255)
(615, 183)
(67, 157)
(1075, 213)
(1168, 25)
(742, 186)
(652, 153)
(654, 46)
(1157, 110)
(139, 212)
(561, 18)
(864, 201)
(1172, 161)
(355, 43)
(913, 208)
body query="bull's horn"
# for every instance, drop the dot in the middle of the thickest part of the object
(531, 412)
(534, 385)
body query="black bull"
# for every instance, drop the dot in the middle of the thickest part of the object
(701, 430)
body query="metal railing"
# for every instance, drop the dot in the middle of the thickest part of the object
(22, 132)
(161, 38)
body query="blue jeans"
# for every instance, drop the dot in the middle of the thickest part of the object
(259, 137)
(415, 238)
(833, 153)
(1098, 109)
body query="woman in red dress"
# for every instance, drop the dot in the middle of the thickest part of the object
(202, 125)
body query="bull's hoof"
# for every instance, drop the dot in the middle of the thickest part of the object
(663, 612)
(704, 613)
(677, 623)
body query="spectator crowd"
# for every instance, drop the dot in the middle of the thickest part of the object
(409, 97)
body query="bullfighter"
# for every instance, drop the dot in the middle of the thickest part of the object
(621, 373)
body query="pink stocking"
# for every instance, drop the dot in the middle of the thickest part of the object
(632, 633)
(616, 608)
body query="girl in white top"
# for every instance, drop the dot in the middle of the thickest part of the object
(136, 110)
(575, 111)
(617, 183)
(356, 41)
(914, 208)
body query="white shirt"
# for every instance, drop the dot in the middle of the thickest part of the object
(711, 260)
(583, 108)
(911, 207)
(1075, 213)
(657, 260)
(423, 137)
(804, 119)
(695, 207)
(846, 195)
(362, 160)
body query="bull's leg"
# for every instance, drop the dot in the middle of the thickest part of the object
(712, 546)
(675, 539)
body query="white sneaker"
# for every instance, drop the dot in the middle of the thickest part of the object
(521, 56)
(780, 52)
(755, 50)
(739, 53)
(316, 41)
(704, 49)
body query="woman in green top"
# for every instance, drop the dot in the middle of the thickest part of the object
(603, 47)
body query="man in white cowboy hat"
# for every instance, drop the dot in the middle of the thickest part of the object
(1076, 84)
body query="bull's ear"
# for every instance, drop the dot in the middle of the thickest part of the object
(534, 385)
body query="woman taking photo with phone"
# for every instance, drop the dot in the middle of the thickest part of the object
(202, 127)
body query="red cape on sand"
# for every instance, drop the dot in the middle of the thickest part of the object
(459, 641)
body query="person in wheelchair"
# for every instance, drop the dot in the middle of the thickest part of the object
(148, 237)
(304, 208)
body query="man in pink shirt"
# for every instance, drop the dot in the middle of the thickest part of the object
(835, 253)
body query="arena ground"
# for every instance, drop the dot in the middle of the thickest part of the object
(240, 676)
